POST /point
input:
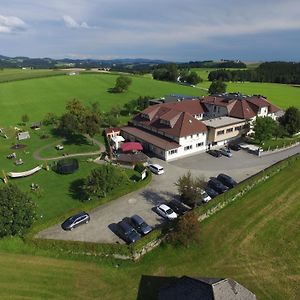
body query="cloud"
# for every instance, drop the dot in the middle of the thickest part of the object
(71, 23)
(10, 24)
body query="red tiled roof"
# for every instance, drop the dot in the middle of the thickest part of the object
(194, 107)
(111, 130)
(242, 110)
(131, 146)
(183, 124)
(158, 141)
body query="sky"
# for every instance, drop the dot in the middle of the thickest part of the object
(172, 30)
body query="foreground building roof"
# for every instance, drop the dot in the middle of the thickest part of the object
(189, 288)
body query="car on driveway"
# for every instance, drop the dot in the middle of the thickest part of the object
(166, 212)
(127, 232)
(76, 220)
(178, 207)
(205, 197)
(226, 152)
(156, 169)
(211, 192)
(227, 180)
(217, 185)
(215, 153)
(140, 225)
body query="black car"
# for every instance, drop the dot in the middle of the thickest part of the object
(178, 207)
(217, 185)
(234, 147)
(140, 225)
(227, 180)
(211, 192)
(127, 232)
(215, 153)
(76, 220)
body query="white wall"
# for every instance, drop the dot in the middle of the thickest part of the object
(189, 141)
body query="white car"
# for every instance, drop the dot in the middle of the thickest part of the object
(205, 197)
(156, 169)
(59, 147)
(166, 212)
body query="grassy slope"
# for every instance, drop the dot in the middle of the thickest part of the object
(39, 96)
(254, 240)
(283, 95)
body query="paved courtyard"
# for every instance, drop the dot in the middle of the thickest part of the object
(162, 189)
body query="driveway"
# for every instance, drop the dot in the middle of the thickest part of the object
(103, 219)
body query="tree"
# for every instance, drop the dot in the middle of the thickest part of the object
(122, 84)
(264, 128)
(51, 119)
(80, 119)
(116, 110)
(189, 188)
(25, 118)
(111, 120)
(185, 231)
(193, 78)
(130, 106)
(103, 180)
(217, 87)
(17, 211)
(143, 102)
(291, 120)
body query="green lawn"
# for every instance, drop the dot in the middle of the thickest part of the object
(36, 97)
(19, 74)
(255, 240)
(283, 95)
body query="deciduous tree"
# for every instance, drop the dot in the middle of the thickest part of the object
(217, 87)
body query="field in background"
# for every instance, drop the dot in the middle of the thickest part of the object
(36, 97)
(283, 95)
(255, 241)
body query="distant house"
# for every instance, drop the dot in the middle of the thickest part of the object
(113, 131)
(23, 135)
(189, 288)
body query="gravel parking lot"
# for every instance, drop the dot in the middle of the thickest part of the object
(162, 189)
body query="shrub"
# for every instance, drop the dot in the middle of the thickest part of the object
(139, 167)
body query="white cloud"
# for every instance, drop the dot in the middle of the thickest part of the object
(71, 23)
(10, 24)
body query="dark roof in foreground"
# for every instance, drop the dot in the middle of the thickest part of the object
(162, 143)
(189, 288)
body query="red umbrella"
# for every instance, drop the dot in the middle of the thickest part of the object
(131, 146)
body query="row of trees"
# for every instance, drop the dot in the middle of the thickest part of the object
(171, 72)
(278, 72)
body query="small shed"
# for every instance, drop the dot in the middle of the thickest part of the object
(35, 126)
(114, 131)
(23, 135)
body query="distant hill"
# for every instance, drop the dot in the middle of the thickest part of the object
(49, 63)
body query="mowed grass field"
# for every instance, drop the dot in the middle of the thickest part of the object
(282, 95)
(255, 241)
(36, 97)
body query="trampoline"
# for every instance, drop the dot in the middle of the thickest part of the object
(67, 166)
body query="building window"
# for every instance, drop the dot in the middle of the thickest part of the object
(229, 130)
(174, 151)
(237, 128)
(191, 136)
(199, 144)
(197, 134)
(220, 132)
(188, 148)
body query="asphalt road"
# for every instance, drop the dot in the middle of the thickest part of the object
(162, 189)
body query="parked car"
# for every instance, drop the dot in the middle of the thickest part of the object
(205, 197)
(156, 169)
(127, 232)
(217, 185)
(227, 180)
(59, 147)
(211, 192)
(226, 152)
(235, 147)
(75, 221)
(215, 153)
(166, 212)
(178, 207)
(140, 225)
